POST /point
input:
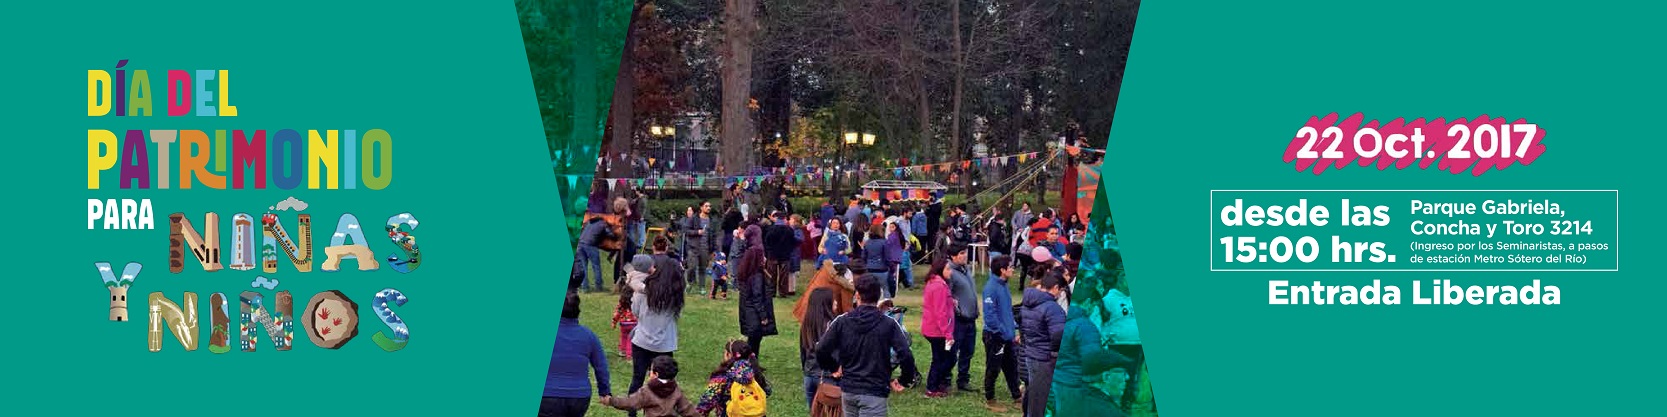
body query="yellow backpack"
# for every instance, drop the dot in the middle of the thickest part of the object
(746, 400)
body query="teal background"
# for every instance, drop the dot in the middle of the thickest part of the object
(450, 83)
(1596, 208)
(1213, 93)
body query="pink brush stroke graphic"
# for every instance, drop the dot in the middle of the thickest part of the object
(1437, 143)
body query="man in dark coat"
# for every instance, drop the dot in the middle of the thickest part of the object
(699, 231)
(934, 218)
(967, 310)
(860, 344)
(779, 245)
(1041, 327)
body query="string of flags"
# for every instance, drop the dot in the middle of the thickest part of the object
(802, 174)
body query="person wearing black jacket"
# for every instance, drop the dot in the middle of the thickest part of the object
(996, 230)
(732, 221)
(850, 345)
(1042, 327)
(934, 218)
(779, 245)
(699, 232)
(758, 311)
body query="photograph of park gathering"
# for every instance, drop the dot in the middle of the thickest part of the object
(842, 208)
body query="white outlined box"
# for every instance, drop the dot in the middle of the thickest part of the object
(1616, 249)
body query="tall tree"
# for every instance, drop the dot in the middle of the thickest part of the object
(735, 131)
(621, 117)
(960, 77)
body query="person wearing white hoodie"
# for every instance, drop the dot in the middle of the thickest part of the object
(657, 300)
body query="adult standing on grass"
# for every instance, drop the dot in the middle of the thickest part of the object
(796, 223)
(894, 256)
(860, 344)
(937, 324)
(1043, 326)
(934, 217)
(818, 314)
(697, 236)
(918, 226)
(758, 311)
(1021, 225)
(1000, 334)
(567, 385)
(966, 315)
(874, 260)
(731, 222)
(657, 314)
(852, 210)
(996, 232)
(779, 246)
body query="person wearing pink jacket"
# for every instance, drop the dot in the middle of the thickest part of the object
(937, 321)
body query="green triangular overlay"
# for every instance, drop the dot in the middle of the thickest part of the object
(573, 50)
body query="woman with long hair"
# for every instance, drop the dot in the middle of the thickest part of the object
(818, 314)
(937, 316)
(657, 310)
(758, 311)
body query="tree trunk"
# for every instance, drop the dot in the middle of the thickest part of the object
(621, 117)
(960, 79)
(736, 72)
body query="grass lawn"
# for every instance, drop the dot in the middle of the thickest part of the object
(707, 324)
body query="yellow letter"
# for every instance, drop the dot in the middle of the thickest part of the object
(96, 160)
(226, 108)
(98, 92)
(322, 151)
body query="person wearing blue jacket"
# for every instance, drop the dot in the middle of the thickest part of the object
(1082, 361)
(917, 224)
(589, 255)
(874, 260)
(1041, 326)
(1000, 356)
(577, 350)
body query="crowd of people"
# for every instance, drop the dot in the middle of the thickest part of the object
(861, 256)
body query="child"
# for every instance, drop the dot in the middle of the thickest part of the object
(660, 397)
(625, 321)
(720, 276)
(738, 376)
(895, 313)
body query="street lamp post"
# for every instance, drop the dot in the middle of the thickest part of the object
(852, 139)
